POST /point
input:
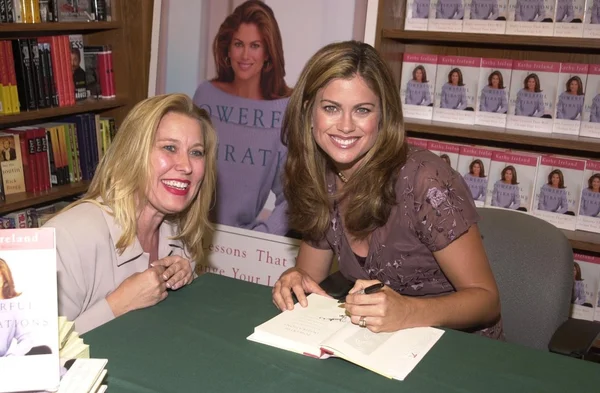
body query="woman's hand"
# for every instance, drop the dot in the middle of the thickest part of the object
(140, 290)
(177, 273)
(300, 283)
(383, 311)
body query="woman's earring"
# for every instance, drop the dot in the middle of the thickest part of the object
(227, 61)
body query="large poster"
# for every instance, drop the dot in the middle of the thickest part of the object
(260, 52)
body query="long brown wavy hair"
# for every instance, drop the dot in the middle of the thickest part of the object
(272, 82)
(8, 284)
(370, 189)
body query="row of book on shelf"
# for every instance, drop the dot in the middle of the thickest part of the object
(562, 190)
(35, 158)
(559, 18)
(536, 96)
(39, 350)
(52, 71)
(44, 11)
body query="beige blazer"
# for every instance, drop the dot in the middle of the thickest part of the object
(89, 267)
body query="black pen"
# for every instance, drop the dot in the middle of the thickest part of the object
(366, 291)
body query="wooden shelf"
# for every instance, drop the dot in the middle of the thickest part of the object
(89, 105)
(485, 133)
(585, 241)
(433, 37)
(26, 199)
(58, 27)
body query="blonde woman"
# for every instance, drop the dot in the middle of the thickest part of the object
(137, 232)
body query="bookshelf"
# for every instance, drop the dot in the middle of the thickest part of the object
(129, 34)
(392, 41)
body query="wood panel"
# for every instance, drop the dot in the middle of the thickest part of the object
(27, 199)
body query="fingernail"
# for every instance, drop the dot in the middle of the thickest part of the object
(164, 277)
(168, 285)
(152, 265)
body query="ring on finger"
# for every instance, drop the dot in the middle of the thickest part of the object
(362, 323)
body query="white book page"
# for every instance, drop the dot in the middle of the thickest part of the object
(393, 355)
(82, 375)
(303, 329)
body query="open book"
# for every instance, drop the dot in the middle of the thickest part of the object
(323, 329)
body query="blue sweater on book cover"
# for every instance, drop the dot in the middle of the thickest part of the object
(420, 9)
(529, 11)
(506, 195)
(553, 199)
(564, 11)
(417, 93)
(493, 100)
(529, 103)
(250, 158)
(595, 109)
(449, 9)
(477, 186)
(569, 106)
(484, 9)
(590, 203)
(454, 97)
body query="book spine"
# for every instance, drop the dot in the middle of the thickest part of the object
(14, 94)
(36, 68)
(10, 11)
(24, 73)
(3, 13)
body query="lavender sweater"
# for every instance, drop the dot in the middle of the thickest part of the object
(484, 9)
(417, 93)
(564, 11)
(529, 103)
(553, 199)
(420, 9)
(595, 110)
(493, 100)
(477, 186)
(569, 106)
(506, 195)
(454, 97)
(449, 9)
(11, 329)
(529, 10)
(578, 292)
(595, 17)
(590, 203)
(250, 158)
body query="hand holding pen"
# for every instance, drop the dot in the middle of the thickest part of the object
(372, 305)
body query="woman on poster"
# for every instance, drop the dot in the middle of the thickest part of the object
(590, 197)
(454, 92)
(449, 9)
(246, 102)
(417, 89)
(578, 294)
(484, 10)
(493, 96)
(476, 180)
(595, 108)
(506, 192)
(553, 194)
(530, 11)
(530, 99)
(570, 101)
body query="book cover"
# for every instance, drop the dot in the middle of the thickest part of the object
(586, 281)
(446, 15)
(511, 180)
(532, 95)
(74, 11)
(417, 85)
(590, 124)
(568, 18)
(456, 89)
(322, 329)
(417, 14)
(11, 164)
(78, 66)
(446, 151)
(570, 98)
(485, 16)
(591, 24)
(474, 164)
(92, 77)
(557, 190)
(28, 311)
(589, 206)
(492, 100)
(418, 142)
(530, 17)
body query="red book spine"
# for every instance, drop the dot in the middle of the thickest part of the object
(104, 74)
(65, 45)
(111, 73)
(4, 81)
(12, 75)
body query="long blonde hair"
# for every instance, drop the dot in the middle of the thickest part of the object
(371, 186)
(122, 176)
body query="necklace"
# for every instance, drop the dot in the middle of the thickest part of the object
(342, 177)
